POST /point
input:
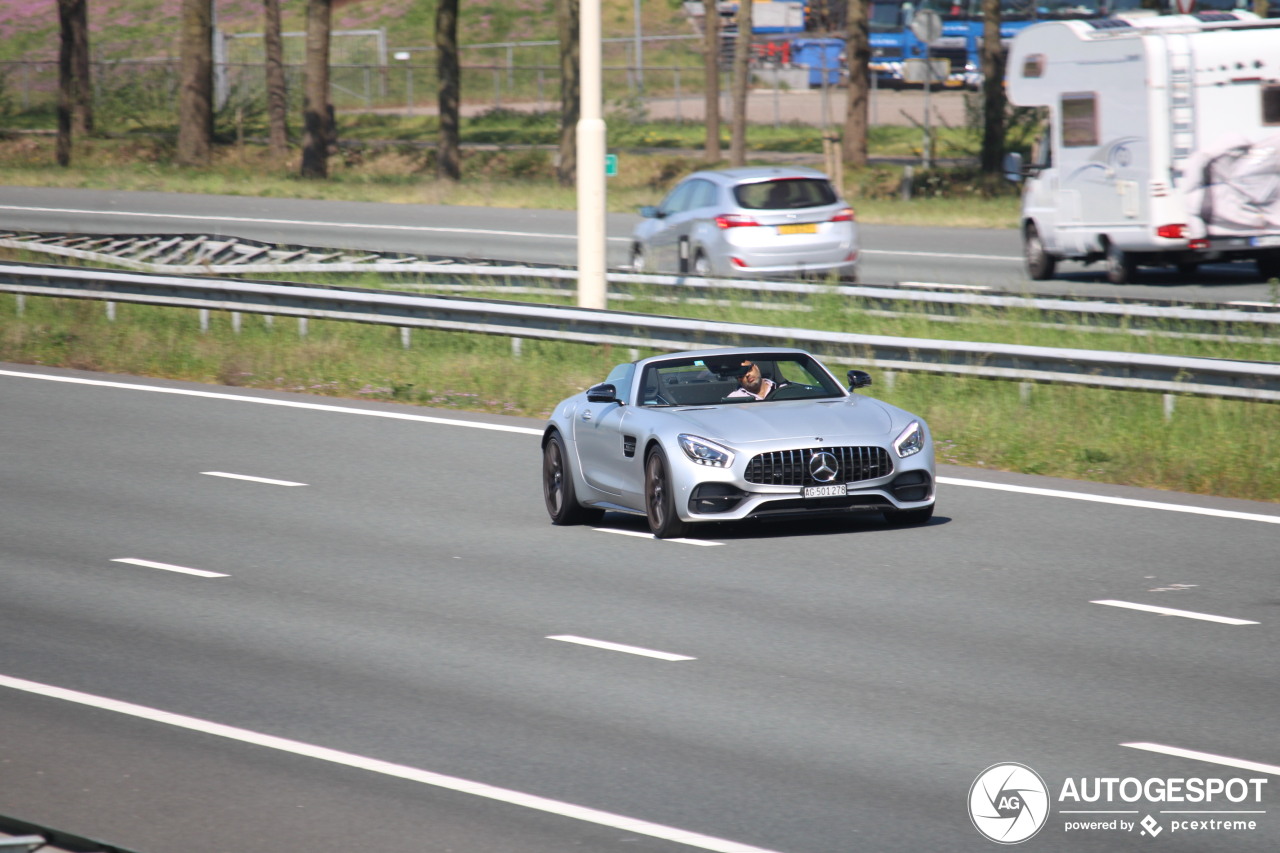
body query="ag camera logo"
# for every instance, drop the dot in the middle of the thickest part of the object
(1008, 803)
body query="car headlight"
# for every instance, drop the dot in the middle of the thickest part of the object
(705, 452)
(910, 441)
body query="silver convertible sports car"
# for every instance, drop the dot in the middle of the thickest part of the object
(728, 434)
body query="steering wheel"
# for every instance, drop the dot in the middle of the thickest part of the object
(777, 386)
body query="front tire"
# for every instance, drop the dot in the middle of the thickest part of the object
(557, 487)
(659, 498)
(1040, 263)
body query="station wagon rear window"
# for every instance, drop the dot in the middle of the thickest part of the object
(785, 194)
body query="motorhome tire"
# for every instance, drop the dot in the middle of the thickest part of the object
(1120, 265)
(1269, 266)
(1040, 263)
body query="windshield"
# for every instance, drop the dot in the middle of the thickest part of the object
(736, 378)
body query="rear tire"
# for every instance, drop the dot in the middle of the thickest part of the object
(1120, 266)
(701, 266)
(639, 259)
(557, 487)
(1268, 266)
(1040, 263)
(659, 498)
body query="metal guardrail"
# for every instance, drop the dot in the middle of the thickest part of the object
(198, 254)
(1257, 381)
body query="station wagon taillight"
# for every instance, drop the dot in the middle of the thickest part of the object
(734, 220)
(845, 215)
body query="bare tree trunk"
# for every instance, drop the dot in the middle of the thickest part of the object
(195, 97)
(857, 38)
(711, 64)
(66, 80)
(741, 86)
(993, 100)
(82, 109)
(277, 93)
(317, 115)
(570, 92)
(449, 160)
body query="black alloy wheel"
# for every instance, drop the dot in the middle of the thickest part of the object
(659, 498)
(557, 487)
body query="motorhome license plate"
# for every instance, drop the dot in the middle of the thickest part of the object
(837, 491)
(799, 228)
(1270, 240)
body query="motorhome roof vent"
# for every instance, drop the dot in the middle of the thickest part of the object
(1109, 24)
(1215, 17)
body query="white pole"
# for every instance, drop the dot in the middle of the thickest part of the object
(591, 151)
(639, 40)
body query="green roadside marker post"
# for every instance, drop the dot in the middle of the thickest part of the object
(610, 165)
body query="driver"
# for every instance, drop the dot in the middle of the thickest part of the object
(752, 384)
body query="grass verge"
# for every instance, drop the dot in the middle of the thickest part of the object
(1208, 446)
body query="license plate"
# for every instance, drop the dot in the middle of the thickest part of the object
(800, 228)
(1271, 240)
(837, 491)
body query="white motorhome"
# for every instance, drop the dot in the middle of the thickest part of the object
(1162, 146)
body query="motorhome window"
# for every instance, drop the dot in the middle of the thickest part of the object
(1271, 105)
(1079, 120)
(1033, 65)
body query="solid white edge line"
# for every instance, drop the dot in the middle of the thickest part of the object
(265, 480)
(1106, 499)
(1179, 752)
(321, 407)
(169, 567)
(1169, 611)
(618, 647)
(386, 768)
(289, 404)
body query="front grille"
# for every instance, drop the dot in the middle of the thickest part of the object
(791, 467)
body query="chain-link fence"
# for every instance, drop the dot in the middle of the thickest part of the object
(365, 74)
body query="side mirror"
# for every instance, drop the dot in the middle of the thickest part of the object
(859, 379)
(1013, 167)
(602, 393)
(650, 212)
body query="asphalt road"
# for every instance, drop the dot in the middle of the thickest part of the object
(969, 258)
(367, 660)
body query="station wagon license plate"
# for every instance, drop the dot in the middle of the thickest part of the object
(836, 491)
(799, 228)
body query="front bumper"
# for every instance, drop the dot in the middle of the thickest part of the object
(724, 501)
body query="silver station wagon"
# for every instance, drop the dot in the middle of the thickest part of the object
(756, 222)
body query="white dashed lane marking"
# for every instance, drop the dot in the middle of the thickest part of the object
(169, 567)
(264, 480)
(1169, 611)
(619, 647)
